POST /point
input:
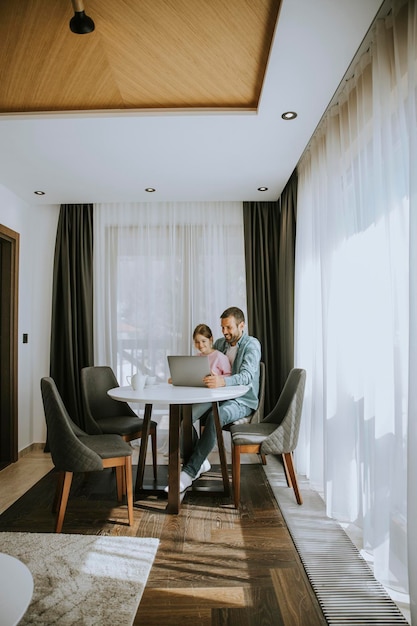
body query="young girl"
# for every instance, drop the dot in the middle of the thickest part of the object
(203, 341)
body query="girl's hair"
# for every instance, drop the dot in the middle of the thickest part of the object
(203, 329)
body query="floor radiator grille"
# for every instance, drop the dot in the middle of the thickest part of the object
(344, 585)
(348, 593)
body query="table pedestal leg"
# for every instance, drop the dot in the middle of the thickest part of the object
(173, 505)
(176, 412)
(187, 431)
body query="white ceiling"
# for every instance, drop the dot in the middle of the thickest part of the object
(193, 155)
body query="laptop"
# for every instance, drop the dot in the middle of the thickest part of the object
(188, 371)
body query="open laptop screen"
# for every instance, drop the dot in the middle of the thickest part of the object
(188, 371)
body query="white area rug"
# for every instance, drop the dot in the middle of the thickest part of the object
(83, 579)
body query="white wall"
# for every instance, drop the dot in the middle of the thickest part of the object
(37, 228)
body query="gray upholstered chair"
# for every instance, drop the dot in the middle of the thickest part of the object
(72, 450)
(277, 433)
(105, 415)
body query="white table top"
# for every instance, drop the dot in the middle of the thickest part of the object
(164, 393)
(16, 589)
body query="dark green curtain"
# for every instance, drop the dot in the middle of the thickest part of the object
(269, 229)
(72, 304)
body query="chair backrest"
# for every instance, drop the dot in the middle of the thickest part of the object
(258, 415)
(68, 453)
(286, 415)
(95, 383)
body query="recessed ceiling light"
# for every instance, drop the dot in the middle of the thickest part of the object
(39, 193)
(289, 115)
(262, 188)
(150, 189)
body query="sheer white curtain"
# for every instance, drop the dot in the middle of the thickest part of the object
(353, 287)
(159, 270)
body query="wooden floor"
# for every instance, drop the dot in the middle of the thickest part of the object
(215, 566)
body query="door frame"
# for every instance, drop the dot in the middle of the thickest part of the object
(9, 285)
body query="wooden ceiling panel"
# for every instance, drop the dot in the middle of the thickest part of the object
(143, 54)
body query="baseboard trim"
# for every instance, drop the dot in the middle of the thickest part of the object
(33, 447)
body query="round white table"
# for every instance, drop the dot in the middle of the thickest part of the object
(180, 400)
(16, 589)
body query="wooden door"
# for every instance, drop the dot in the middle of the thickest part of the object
(9, 278)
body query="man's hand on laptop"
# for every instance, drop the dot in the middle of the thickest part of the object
(213, 380)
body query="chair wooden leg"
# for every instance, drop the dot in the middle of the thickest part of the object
(236, 474)
(58, 491)
(154, 453)
(286, 472)
(290, 464)
(263, 458)
(123, 467)
(120, 482)
(63, 500)
(129, 488)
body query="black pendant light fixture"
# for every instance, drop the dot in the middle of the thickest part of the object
(80, 24)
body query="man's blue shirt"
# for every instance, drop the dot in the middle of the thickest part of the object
(245, 369)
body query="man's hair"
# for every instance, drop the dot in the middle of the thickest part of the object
(233, 311)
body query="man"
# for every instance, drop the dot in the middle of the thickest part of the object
(244, 353)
